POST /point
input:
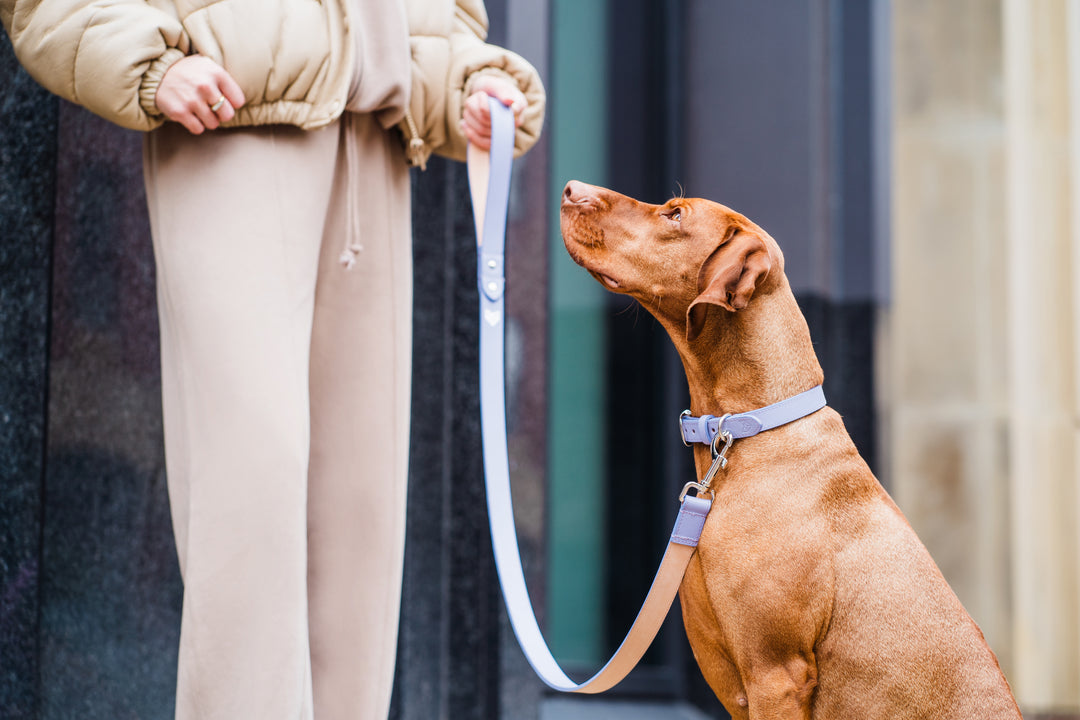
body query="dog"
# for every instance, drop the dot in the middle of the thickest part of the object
(809, 596)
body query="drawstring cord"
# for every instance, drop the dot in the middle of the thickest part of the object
(415, 152)
(352, 246)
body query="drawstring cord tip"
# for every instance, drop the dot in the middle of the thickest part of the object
(348, 257)
(416, 153)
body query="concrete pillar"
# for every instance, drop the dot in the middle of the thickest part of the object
(979, 341)
(945, 377)
(1041, 325)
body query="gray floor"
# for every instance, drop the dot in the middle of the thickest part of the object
(577, 709)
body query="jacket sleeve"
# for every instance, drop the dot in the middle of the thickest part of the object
(106, 55)
(443, 81)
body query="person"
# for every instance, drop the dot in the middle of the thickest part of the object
(279, 136)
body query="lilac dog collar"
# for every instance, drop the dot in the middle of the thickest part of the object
(704, 429)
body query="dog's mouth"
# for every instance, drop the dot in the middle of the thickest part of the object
(607, 280)
(578, 252)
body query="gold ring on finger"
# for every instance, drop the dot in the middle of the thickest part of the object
(217, 106)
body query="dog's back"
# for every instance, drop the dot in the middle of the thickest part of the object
(900, 644)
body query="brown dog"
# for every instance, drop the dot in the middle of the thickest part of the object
(810, 595)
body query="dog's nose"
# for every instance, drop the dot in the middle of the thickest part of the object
(576, 193)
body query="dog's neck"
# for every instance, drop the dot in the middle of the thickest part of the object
(750, 358)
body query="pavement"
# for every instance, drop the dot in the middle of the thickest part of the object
(580, 709)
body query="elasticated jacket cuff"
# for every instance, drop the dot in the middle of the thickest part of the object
(152, 79)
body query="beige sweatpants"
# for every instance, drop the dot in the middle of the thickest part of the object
(285, 381)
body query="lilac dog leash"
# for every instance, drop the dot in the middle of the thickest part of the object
(489, 182)
(492, 194)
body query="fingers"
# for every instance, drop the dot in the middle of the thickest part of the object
(476, 122)
(476, 137)
(191, 87)
(511, 97)
(476, 119)
(234, 96)
(174, 102)
(505, 92)
(207, 94)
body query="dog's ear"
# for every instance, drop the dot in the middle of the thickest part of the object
(729, 276)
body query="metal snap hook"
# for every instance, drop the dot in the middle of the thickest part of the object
(724, 436)
(701, 489)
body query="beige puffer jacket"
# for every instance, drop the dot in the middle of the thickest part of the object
(292, 58)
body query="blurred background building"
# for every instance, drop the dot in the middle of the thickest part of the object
(918, 162)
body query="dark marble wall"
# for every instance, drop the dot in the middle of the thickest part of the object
(449, 599)
(89, 606)
(28, 120)
(110, 586)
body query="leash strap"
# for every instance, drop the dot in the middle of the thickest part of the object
(489, 181)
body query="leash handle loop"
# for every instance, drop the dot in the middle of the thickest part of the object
(489, 181)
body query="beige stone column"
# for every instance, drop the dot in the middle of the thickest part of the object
(1041, 321)
(945, 344)
(979, 342)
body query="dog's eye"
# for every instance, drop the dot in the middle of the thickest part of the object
(674, 214)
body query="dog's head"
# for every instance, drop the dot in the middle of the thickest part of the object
(682, 260)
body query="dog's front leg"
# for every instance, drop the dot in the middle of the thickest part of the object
(781, 691)
(758, 667)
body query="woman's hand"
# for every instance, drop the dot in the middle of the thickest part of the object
(190, 89)
(477, 121)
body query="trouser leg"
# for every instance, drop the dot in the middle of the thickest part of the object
(360, 378)
(237, 218)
